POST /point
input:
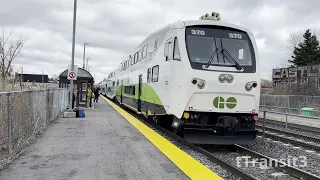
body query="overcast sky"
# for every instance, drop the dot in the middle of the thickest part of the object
(116, 27)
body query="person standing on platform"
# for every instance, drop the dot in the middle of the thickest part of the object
(89, 95)
(73, 98)
(96, 94)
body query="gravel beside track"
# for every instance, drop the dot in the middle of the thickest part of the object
(256, 169)
(279, 150)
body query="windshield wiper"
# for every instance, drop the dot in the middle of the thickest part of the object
(211, 58)
(230, 58)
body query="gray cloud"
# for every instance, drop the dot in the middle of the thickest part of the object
(115, 28)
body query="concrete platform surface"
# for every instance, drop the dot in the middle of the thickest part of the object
(101, 146)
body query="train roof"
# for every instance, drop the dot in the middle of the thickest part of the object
(182, 24)
(216, 23)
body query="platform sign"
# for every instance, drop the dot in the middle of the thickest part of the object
(72, 75)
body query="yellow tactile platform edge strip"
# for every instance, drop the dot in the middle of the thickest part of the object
(191, 167)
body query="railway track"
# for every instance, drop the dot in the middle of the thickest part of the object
(308, 130)
(293, 172)
(271, 162)
(298, 139)
(313, 138)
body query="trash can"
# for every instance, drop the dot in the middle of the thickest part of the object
(81, 113)
(310, 112)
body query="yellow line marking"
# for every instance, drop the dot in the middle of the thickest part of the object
(191, 167)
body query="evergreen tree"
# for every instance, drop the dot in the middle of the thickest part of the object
(307, 52)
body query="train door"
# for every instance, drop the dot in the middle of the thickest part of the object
(139, 93)
(121, 90)
(176, 73)
(166, 72)
(106, 91)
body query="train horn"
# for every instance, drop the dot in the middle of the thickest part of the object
(213, 16)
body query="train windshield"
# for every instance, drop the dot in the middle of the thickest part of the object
(219, 47)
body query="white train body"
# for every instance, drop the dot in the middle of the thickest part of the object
(179, 82)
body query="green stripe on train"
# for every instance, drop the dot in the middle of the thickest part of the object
(148, 94)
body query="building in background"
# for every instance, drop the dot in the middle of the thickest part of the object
(38, 78)
(296, 76)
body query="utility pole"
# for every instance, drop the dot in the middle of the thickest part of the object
(22, 73)
(73, 47)
(21, 77)
(42, 77)
(84, 53)
(87, 64)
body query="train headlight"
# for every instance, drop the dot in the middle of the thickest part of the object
(201, 85)
(248, 86)
(199, 82)
(222, 78)
(229, 78)
(251, 85)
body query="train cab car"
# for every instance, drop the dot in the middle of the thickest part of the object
(200, 77)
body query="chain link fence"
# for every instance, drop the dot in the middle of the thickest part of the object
(292, 118)
(291, 104)
(24, 114)
(9, 85)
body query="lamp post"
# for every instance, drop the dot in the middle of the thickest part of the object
(42, 76)
(84, 53)
(87, 64)
(73, 47)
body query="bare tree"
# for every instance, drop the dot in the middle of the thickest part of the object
(10, 49)
(297, 37)
(294, 40)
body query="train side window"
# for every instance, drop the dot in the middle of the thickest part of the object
(136, 57)
(133, 90)
(144, 51)
(168, 49)
(131, 58)
(149, 75)
(176, 51)
(155, 73)
(155, 44)
(140, 54)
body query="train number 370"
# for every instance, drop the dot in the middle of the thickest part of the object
(235, 36)
(198, 32)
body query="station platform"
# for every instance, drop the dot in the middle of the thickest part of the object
(106, 144)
